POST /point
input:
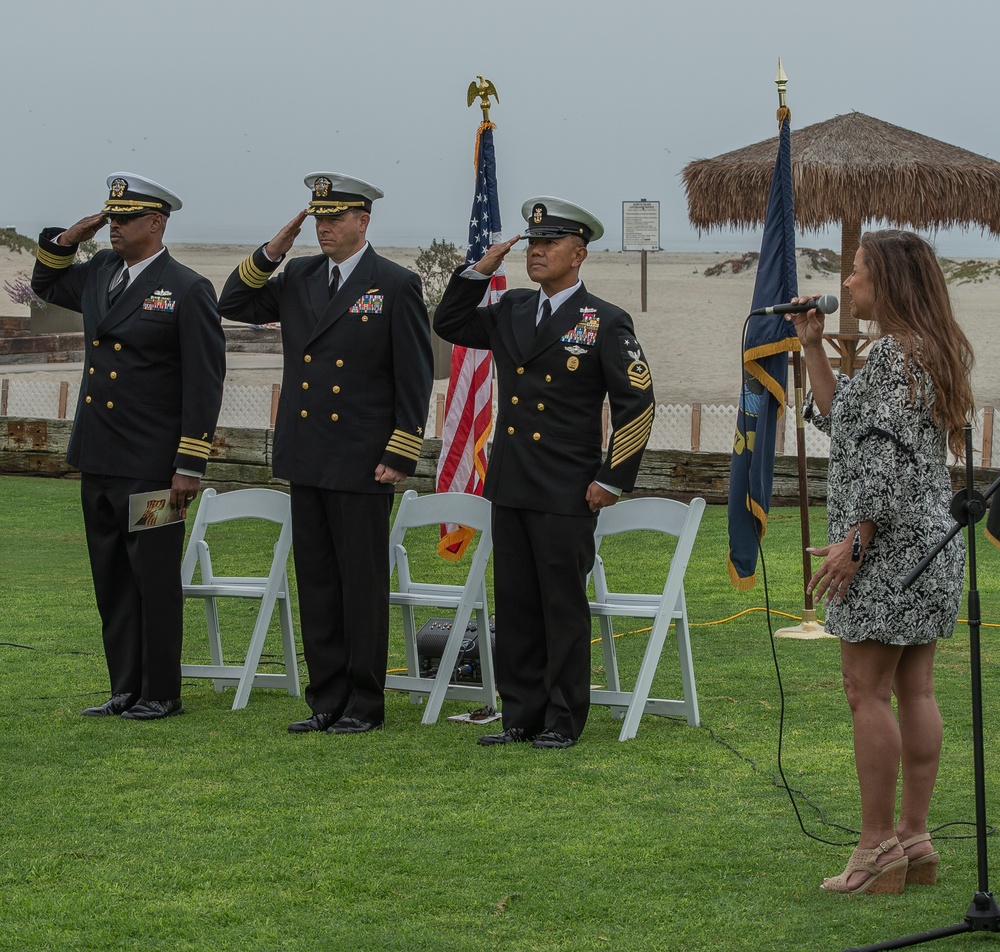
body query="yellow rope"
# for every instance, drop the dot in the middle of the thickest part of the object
(747, 611)
(721, 621)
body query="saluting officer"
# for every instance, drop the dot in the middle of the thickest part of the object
(149, 401)
(558, 351)
(356, 384)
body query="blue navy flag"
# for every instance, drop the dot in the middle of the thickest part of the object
(769, 340)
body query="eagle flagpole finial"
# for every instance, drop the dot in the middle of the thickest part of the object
(483, 89)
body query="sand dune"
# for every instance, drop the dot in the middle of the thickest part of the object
(690, 331)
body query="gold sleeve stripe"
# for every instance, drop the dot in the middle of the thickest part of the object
(632, 437)
(627, 443)
(192, 447)
(251, 275)
(51, 260)
(405, 444)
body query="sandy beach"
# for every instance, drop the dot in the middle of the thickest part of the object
(690, 331)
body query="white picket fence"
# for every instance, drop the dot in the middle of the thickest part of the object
(696, 427)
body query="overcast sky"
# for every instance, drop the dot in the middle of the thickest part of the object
(231, 104)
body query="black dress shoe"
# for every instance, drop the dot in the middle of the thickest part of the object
(351, 725)
(553, 739)
(113, 706)
(144, 710)
(318, 722)
(512, 735)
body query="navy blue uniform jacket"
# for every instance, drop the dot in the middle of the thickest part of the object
(357, 369)
(154, 366)
(551, 388)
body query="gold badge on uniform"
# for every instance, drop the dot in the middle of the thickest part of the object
(638, 375)
(536, 214)
(118, 187)
(321, 187)
(573, 363)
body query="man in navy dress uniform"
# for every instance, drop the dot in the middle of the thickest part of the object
(357, 379)
(149, 401)
(558, 351)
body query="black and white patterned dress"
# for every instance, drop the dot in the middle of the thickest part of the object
(888, 464)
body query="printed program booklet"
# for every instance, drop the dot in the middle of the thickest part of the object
(151, 510)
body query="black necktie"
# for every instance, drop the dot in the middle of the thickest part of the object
(334, 281)
(546, 314)
(114, 292)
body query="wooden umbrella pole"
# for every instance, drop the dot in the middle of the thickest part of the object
(850, 239)
(810, 627)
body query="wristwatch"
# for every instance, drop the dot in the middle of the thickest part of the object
(856, 545)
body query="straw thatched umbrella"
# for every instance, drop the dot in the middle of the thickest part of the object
(849, 170)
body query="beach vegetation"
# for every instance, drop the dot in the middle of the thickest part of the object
(10, 238)
(822, 260)
(435, 266)
(969, 271)
(19, 291)
(733, 265)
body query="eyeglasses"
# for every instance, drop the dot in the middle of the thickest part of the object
(125, 219)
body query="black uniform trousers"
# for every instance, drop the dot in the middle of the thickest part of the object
(541, 561)
(137, 582)
(341, 546)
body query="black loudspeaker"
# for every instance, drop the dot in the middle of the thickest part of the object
(431, 640)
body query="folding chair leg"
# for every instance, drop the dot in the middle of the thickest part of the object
(252, 660)
(449, 658)
(214, 639)
(687, 670)
(412, 655)
(288, 642)
(644, 681)
(486, 658)
(610, 654)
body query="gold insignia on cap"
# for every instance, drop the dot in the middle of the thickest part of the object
(536, 214)
(321, 187)
(118, 187)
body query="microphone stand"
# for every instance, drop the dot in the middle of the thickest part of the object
(967, 508)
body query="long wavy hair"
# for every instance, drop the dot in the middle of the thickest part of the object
(911, 304)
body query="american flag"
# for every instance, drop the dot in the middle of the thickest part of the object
(469, 406)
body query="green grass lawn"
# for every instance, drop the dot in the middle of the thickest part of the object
(219, 830)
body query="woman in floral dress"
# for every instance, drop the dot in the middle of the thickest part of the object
(888, 503)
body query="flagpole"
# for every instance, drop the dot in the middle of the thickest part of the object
(809, 626)
(469, 403)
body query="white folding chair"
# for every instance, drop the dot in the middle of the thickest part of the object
(271, 590)
(462, 509)
(673, 518)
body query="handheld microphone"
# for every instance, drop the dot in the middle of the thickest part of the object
(827, 304)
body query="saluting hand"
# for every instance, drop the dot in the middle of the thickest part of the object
(83, 230)
(493, 258)
(282, 242)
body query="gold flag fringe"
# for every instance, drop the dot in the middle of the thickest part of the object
(750, 365)
(739, 583)
(483, 126)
